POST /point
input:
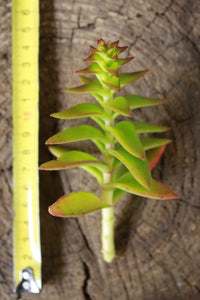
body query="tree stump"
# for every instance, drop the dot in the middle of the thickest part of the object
(158, 248)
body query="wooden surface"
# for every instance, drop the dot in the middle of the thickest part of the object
(157, 241)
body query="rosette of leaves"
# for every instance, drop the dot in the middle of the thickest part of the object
(127, 156)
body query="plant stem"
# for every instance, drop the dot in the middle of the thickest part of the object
(108, 247)
(107, 232)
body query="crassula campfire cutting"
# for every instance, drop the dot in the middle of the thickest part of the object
(127, 156)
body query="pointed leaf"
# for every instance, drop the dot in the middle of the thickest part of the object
(117, 163)
(102, 45)
(113, 68)
(147, 127)
(100, 145)
(101, 42)
(79, 111)
(99, 121)
(74, 159)
(113, 83)
(84, 79)
(114, 44)
(94, 86)
(119, 105)
(92, 49)
(154, 155)
(157, 191)
(79, 133)
(93, 57)
(112, 50)
(92, 69)
(150, 143)
(57, 151)
(123, 61)
(119, 172)
(136, 101)
(139, 168)
(126, 135)
(126, 78)
(121, 49)
(113, 72)
(94, 172)
(117, 194)
(76, 204)
(115, 57)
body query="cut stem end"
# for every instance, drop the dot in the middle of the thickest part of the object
(108, 246)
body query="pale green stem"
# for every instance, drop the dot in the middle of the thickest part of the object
(107, 233)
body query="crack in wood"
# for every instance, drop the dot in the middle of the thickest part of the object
(84, 237)
(85, 282)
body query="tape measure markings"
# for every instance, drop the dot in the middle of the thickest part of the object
(25, 36)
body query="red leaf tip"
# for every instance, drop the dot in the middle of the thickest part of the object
(116, 43)
(93, 49)
(121, 49)
(53, 213)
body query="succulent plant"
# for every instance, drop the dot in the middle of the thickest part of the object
(127, 157)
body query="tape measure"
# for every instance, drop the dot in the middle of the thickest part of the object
(26, 228)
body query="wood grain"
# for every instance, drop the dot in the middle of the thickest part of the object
(157, 241)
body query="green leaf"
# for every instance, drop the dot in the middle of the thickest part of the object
(119, 105)
(117, 163)
(76, 204)
(157, 191)
(92, 69)
(119, 172)
(99, 145)
(84, 79)
(112, 82)
(139, 168)
(93, 57)
(123, 61)
(94, 86)
(79, 133)
(154, 155)
(117, 194)
(112, 68)
(105, 59)
(146, 127)
(120, 49)
(126, 135)
(126, 78)
(57, 151)
(136, 101)
(74, 159)
(79, 111)
(99, 121)
(94, 172)
(150, 143)
(112, 50)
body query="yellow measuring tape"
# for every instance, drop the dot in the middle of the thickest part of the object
(25, 45)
